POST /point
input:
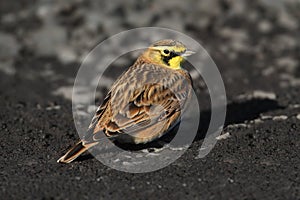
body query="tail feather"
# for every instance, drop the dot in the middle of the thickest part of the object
(75, 151)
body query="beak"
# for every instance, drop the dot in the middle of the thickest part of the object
(187, 53)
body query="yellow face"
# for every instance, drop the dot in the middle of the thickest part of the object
(168, 53)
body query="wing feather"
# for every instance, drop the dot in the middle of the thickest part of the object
(141, 99)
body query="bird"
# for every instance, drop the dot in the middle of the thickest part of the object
(145, 102)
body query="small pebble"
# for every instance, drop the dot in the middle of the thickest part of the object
(57, 107)
(257, 121)
(264, 117)
(230, 180)
(223, 136)
(264, 94)
(264, 26)
(280, 118)
(258, 94)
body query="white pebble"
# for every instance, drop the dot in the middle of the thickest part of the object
(223, 136)
(280, 118)
(258, 94)
(264, 26)
(264, 117)
(263, 94)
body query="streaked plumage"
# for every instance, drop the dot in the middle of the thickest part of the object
(144, 102)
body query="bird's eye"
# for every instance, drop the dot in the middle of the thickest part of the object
(166, 51)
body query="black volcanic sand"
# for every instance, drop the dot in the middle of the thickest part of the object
(255, 49)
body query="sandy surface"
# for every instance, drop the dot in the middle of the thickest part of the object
(256, 48)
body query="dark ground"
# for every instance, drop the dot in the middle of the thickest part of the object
(256, 47)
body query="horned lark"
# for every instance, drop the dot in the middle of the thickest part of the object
(145, 102)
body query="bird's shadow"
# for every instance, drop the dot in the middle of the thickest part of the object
(237, 112)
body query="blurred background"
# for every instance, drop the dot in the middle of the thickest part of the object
(255, 45)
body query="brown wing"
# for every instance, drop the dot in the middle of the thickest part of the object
(144, 102)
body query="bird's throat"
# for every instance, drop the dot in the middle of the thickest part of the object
(175, 62)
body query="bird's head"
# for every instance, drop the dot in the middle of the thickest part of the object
(169, 53)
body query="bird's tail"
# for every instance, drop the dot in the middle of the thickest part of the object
(75, 151)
